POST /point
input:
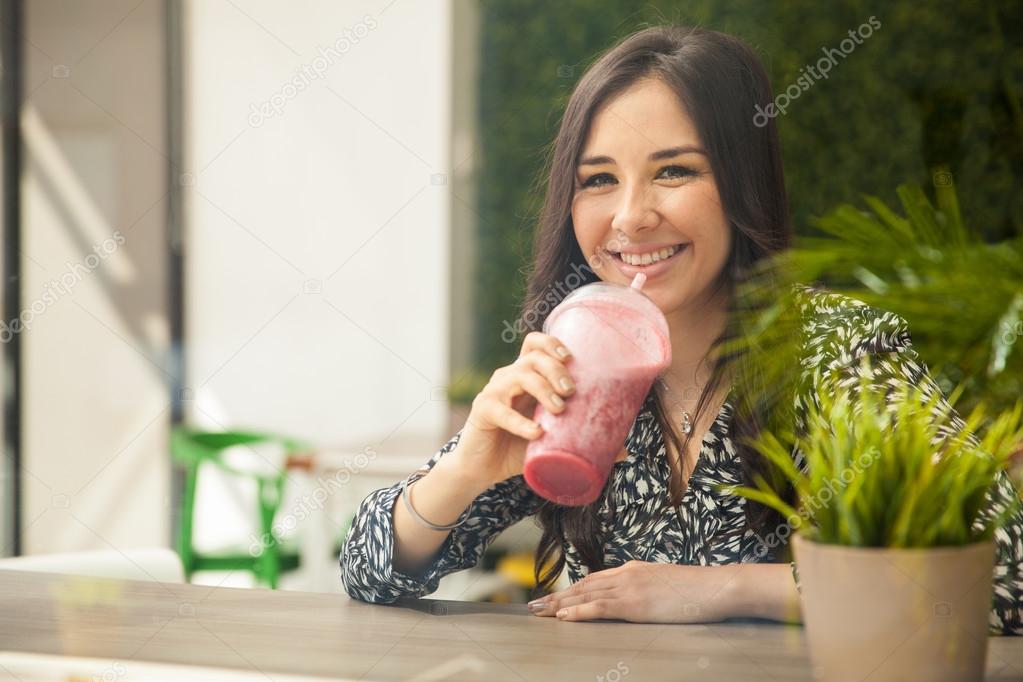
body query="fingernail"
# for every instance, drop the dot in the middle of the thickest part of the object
(566, 384)
(556, 399)
(562, 613)
(562, 351)
(537, 606)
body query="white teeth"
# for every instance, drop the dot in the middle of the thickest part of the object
(652, 257)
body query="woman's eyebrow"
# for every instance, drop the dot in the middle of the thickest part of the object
(656, 156)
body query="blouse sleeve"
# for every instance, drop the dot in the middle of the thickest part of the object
(367, 571)
(885, 338)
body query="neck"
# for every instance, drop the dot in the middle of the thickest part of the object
(693, 329)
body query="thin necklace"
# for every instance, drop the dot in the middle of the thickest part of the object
(687, 419)
(687, 428)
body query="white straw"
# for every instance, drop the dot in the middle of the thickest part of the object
(638, 281)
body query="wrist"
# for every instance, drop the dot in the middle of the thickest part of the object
(456, 466)
(732, 597)
(739, 595)
(763, 591)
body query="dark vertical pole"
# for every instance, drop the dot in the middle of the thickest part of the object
(10, 104)
(175, 235)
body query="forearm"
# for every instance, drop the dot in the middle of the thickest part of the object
(441, 496)
(764, 591)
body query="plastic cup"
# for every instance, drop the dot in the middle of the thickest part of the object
(620, 344)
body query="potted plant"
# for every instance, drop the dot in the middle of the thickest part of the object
(893, 556)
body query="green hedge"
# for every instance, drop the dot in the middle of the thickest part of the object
(937, 83)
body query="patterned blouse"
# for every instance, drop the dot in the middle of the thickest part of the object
(709, 527)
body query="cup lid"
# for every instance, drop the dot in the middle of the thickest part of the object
(617, 294)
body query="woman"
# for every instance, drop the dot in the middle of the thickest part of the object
(658, 167)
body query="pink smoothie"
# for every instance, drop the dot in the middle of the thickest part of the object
(618, 348)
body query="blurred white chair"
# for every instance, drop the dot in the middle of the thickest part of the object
(153, 564)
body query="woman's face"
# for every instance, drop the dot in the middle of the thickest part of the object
(644, 183)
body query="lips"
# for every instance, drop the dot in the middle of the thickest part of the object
(651, 270)
(654, 255)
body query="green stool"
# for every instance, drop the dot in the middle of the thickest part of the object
(190, 448)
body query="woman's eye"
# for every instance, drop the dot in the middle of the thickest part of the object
(679, 171)
(592, 180)
(671, 172)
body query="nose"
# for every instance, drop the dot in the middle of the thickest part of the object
(636, 212)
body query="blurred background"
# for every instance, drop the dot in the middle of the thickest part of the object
(258, 256)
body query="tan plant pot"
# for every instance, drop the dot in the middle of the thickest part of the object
(896, 614)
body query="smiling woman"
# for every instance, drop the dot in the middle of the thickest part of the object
(658, 167)
(658, 148)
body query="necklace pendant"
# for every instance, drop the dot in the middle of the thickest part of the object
(687, 424)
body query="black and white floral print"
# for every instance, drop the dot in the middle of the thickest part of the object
(709, 526)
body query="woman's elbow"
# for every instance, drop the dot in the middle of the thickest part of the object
(363, 588)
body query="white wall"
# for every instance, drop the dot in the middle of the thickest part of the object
(318, 241)
(95, 411)
(318, 237)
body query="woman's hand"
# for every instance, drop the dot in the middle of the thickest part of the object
(500, 425)
(644, 592)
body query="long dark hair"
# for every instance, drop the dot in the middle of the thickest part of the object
(720, 82)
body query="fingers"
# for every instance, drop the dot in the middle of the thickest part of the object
(540, 373)
(504, 417)
(551, 369)
(544, 378)
(591, 610)
(546, 343)
(555, 606)
(541, 388)
(579, 592)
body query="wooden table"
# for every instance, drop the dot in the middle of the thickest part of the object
(330, 635)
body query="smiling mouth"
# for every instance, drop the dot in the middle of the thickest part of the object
(650, 258)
